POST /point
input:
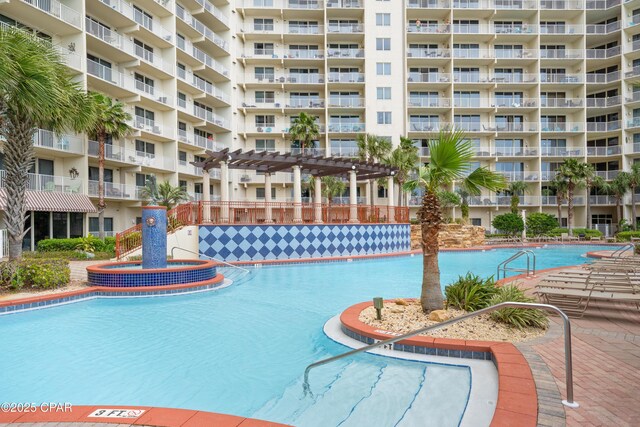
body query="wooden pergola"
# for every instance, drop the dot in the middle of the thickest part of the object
(317, 166)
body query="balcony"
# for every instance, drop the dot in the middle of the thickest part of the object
(211, 117)
(553, 201)
(471, 102)
(604, 77)
(188, 168)
(633, 123)
(472, 29)
(66, 143)
(345, 200)
(603, 28)
(115, 191)
(58, 10)
(512, 78)
(202, 29)
(120, 154)
(189, 49)
(512, 127)
(304, 54)
(514, 53)
(602, 200)
(345, 102)
(432, 126)
(198, 141)
(562, 127)
(305, 29)
(608, 175)
(40, 182)
(561, 4)
(428, 78)
(561, 102)
(414, 52)
(429, 28)
(601, 4)
(429, 4)
(300, 78)
(604, 126)
(305, 103)
(344, 4)
(514, 29)
(348, 152)
(561, 54)
(146, 125)
(304, 4)
(604, 151)
(561, 151)
(217, 13)
(346, 127)
(345, 53)
(568, 29)
(429, 102)
(345, 28)
(477, 54)
(611, 101)
(603, 53)
(513, 151)
(308, 151)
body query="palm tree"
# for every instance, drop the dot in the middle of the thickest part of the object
(449, 200)
(517, 189)
(451, 155)
(331, 186)
(404, 158)
(591, 180)
(464, 203)
(164, 194)
(372, 148)
(618, 188)
(305, 130)
(36, 91)
(571, 172)
(560, 187)
(109, 119)
(633, 181)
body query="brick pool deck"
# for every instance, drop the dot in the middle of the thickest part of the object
(606, 367)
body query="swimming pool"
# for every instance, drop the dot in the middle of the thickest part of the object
(242, 350)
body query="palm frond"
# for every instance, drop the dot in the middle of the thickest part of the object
(484, 178)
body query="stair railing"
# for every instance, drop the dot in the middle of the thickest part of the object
(503, 266)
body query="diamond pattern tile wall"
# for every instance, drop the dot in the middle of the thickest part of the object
(276, 242)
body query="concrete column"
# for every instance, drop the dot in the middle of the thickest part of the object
(224, 192)
(206, 197)
(268, 213)
(353, 197)
(317, 201)
(367, 194)
(390, 199)
(297, 195)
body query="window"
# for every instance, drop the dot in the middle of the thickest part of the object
(144, 117)
(476, 221)
(383, 43)
(264, 73)
(94, 225)
(262, 24)
(263, 49)
(265, 145)
(383, 19)
(262, 121)
(143, 18)
(182, 184)
(146, 149)
(143, 50)
(382, 192)
(383, 68)
(182, 156)
(144, 83)
(384, 117)
(265, 97)
(93, 174)
(141, 179)
(260, 193)
(384, 93)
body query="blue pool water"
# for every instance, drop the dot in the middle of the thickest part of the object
(242, 349)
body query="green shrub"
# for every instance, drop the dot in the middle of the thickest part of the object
(540, 223)
(508, 223)
(588, 233)
(625, 236)
(35, 273)
(517, 317)
(68, 255)
(414, 221)
(470, 292)
(54, 245)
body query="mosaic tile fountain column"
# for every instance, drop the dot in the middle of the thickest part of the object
(154, 237)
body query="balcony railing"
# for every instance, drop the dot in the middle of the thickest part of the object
(561, 151)
(604, 102)
(428, 28)
(346, 127)
(561, 102)
(562, 127)
(561, 53)
(428, 78)
(561, 4)
(604, 151)
(304, 54)
(300, 78)
(429, 4)
(429, 102)
(214, 11)
(198, 141)
(345, 102)
(608, 175)
(305, 103)
(345, 53)
(633, 123)
(201, 28)
(304, 4)
(560, 29)
(514, 152)
(344, 152)
(604, 126)
(114, 190)
(304, 29)
(602, 200)
(147, 125)
(308, 151)
(188, 48)
(415, 52)
(345, 28)
(603, 28)
(211, 117)
(512, 78)
(41, 182)
(59, 10)
(603, 53)
(345, 4)
(186, 167)
(65, 142)
(603, 77)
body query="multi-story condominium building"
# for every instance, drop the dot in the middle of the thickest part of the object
(532, 82)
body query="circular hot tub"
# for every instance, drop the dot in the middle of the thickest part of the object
(131, 273)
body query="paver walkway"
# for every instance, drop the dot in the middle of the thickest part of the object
(606, 366)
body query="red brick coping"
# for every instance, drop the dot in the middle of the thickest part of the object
(159, 417)
(517, 399)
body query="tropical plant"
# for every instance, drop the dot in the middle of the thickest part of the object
(633, 182)
(372, 148)
(109, 119)
(590, 180)
(88, 244)
(508, 223)
(164, 194)
(451, 156)
(470, 292)
(560, 188)
(517, 317)
(404, 158)
(617, 188)
(305, 130)
(540, 223)
(516, 189)
(448, 199)
(331, 186)
(36, 91)
(572, 173)
(464, 203)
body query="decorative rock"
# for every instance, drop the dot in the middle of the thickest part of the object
(400, 301)
(439, 315)
(452, 236)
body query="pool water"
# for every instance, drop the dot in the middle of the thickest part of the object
(242, 350)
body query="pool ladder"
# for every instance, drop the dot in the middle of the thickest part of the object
(531, 262)
(566, 323)
(618, 252)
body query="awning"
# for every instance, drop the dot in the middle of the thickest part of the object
(53, 201)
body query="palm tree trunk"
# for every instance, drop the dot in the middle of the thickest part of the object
(559, 202)
(19, 156)
(101, 203)
(633, 207)
(618, 209)
(430, 217)
(588, 208)
(570, 209)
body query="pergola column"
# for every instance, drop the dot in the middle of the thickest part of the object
(297, 195)
(224, 192)
(268, 213)
(317, 200)
(353, 197)
(390, 198)
(367, 195)
(206, 197)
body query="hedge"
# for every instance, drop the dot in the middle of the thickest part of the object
(35, 273)
(625, 236)
(588, 233)
(56, 245)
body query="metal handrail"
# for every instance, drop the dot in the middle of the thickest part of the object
(503, 264)
(618, 252)
(244, 270)
(566, 331)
